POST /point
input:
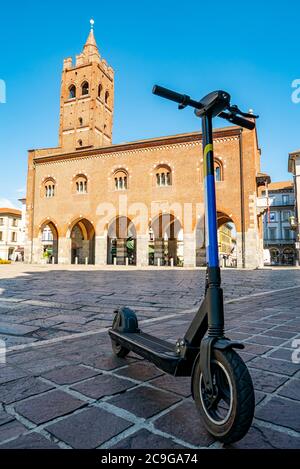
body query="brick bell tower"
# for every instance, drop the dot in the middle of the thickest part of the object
(86, 101)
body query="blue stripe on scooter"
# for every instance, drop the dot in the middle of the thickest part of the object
(211, 223)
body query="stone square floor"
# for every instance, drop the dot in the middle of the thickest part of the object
(61, 387)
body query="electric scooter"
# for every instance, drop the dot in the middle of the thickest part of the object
(220, 381)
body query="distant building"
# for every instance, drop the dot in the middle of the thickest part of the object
(279, 237)
(138, 202)
(227, 245)
(294, 168)
(11, 246)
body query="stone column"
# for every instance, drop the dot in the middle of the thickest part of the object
(64, 250)
(189, 250)
(239, 252)
(37, 251)
(27, 252)
(172, 249)
(142, 255)
(252, 249)
(101, 250)
(121, 251)
(158, 250)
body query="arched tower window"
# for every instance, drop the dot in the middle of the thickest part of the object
(163, 176)
(218, 170)
(85, 88)
(121, 180)
(99, 90)
(72, 92)
(106, 97)
(80, 184)
(49, 188)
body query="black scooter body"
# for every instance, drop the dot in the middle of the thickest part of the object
(175, 359)
(217, 374)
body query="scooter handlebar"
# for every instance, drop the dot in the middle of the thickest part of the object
(237, 120)
(168, 94)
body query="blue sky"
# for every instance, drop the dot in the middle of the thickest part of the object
(250, 49)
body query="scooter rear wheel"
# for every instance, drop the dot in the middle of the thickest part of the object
(228, 414)
(119, 350)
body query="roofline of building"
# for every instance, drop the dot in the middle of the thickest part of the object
(10, 211)
(283, 186)
(137, 144)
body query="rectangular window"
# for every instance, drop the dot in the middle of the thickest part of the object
(286, 233)
(14, 222)
(14, 237)
(285, 199)
(1, 221)
(272, 233)
(272, 217)
(1, 236)
(286, 215)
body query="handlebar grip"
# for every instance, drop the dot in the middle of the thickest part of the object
(237, 120)
(168, 94)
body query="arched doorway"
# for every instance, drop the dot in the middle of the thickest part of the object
(121, 242)
(274, 256)
(165, 241)
(83, 242)
(49, 240)
(226, 241)
(288, 256)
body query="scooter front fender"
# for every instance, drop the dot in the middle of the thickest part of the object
(219, 344)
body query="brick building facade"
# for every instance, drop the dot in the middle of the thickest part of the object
(139, 202)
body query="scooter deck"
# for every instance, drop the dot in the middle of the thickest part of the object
(158, 351)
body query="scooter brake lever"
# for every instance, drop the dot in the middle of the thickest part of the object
(235, 110)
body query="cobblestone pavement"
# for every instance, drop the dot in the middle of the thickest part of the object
(61, 386)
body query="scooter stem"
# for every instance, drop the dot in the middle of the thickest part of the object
(214, 293)
(211, 227)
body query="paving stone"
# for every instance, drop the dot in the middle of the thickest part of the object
(70, 374)
(256, 349)
(103, 385)
(264, 340)
(11, 429)
(108, 363)
(283, 354)
(48, 406)
(281, 411)
(30, 441)
(144, 439)
(141, 371)
(144, 401)
(22, 388)
(265, 438)
(291, 389)
(5, 417)
(89, 428)
(266, 382)
(259, 397)
(44, 365)
(277, 333)
(10, 373)
(274, 365)
(185, 423)
(178, 385)
(16, 329)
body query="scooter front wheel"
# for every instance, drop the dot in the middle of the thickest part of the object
(228, 412)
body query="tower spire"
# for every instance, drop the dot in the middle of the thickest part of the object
(90, 47)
